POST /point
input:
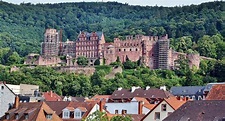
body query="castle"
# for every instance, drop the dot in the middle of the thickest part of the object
(152, 51)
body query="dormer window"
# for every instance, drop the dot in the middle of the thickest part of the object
(7, 116)
(26, 116)
(77, 114)
(66, 113)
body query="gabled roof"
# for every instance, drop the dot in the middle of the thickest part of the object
(172, 101)
(148, 94)
(187, 90)
(51, 96)
(217, 92)
(202, 110)
(58, 106)
(35, 111)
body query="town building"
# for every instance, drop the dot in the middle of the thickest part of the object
(35, 111)
(164, 109)
(199, 110)
(191, 92)
(152, 51)
(7, 98)
(217, 92)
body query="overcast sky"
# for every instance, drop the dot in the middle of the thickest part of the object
(130, 2)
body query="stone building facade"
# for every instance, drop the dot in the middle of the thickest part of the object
(152, 51)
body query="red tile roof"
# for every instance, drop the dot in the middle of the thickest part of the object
(35, 111)
(217, 92)
(172, 101)
(58, 106)
(51, 96)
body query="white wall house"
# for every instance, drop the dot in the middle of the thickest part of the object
(7, 98)
(131, 107)
(163, 109)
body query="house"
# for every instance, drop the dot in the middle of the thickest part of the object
(23, 89)
(153, 95)
(135, 106)
(73, 111)
(192, 92)
(209, 86)
(217, 92)
(7, 98)
(163, 109)
(35, 111)
(51, 96)
(199, 110)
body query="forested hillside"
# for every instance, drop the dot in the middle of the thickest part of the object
(22, 26)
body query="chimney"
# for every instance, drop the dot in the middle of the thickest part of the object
(140, 107)
(134, 88)
(163, 88)
(17, 101)
(51, 93)
(101, 105)
(147, 87)
(120, 88)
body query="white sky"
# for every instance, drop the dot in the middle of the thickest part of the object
(130, 2)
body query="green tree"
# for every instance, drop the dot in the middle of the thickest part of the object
(83, 61)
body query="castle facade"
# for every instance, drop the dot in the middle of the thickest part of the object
(152, 51)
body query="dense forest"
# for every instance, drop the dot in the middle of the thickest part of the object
(192, 29)
(22, 26)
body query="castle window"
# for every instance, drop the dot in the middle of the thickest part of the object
(119, 50)
(136, 49)
(124, 49)
(130, 49)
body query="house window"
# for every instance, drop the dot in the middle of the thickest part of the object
(66, 114)
(119, 50)
(17, 116)
(124, 111)
(157, 115)
(116, 111)
(49, 116)
(136, 49)
(124, 50)
(26, 116)
(2, 87)
(163, 107)
(130, 49)
(77, 114)
(7, 116)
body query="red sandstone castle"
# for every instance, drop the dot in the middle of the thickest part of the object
(153, 51)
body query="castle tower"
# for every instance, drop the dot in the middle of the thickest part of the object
(50, 46)
(163, 54)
